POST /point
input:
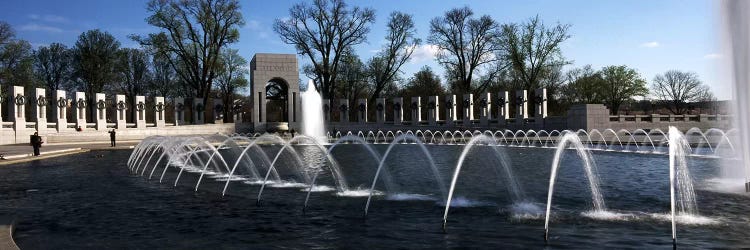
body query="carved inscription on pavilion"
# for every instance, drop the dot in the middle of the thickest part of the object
(276, 68)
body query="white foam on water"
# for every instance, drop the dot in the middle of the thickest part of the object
(608, 215)
(288, 184)
(687, 219)
(234, 178)
(319, 188)
(464, 202)
(358, 193)
(410, 197)
(526, 210)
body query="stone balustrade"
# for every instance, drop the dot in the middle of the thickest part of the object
(61, 114)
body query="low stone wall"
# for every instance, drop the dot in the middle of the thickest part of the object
(122, 135)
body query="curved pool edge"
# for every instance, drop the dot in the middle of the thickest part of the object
(7, 226)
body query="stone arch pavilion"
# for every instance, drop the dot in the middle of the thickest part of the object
(274, 80)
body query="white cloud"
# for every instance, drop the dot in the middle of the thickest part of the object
(253, 24)
(652, 44)
(48, 18)
(39, 27)
(712, 56)
(425, 52)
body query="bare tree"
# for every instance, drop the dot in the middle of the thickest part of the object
(194, 32)
(6, 33)
(401, 43)
(53, 66)
(533, 50)
(352, 80)
(322, 32)
(232, 76)
(133, 72)
(94, 59)
(465, 44)
(677, 88)
(164, 80)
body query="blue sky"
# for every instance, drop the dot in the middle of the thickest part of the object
(651, 36)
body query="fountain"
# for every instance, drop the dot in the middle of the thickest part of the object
(737, 50)
(245, 160)
(312, 113)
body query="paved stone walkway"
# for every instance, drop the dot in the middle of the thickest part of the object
(21, 153)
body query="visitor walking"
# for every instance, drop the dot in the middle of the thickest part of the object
(292, 131)
(112, 137)
(36, 142)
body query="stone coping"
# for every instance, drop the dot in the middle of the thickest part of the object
(7, 226)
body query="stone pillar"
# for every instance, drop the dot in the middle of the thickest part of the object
(295, 114)
(468, 109)
(40, 109)
(450, 109)
(100, 112)
(398, 111)
(326, 110)
(198, 109)
(237, 112)
(121, 113)
(416, 110)
(218, 108)
(380, 110)
(343, 110)
(540, 97)
(503, 108)
(362, 110)
(485, 103)
(433, 110)
(61, 110)
(80, 110)
(522, 113)
(159, 106)
(19, 111)
(140, 111)
(179, 111)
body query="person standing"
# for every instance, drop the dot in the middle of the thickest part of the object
(36, 142)
(112, 137)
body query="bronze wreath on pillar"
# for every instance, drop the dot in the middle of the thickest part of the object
(41, 101)
(101, 104)
(379, 107)
(121, 105)
(219, 108)
(140, 106)
(343, 107)
(62, 102)
(20, 99)
(326, 108)
(538, 99)
(361, 107)
(81, 103)
(199, 107)
(500, 101)
(467, 102)
(519, 100)
(431, 105)
(483, 102)
(397, 106)
(448, 104)
(159, 107)
(414, 105)
(180, 107)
